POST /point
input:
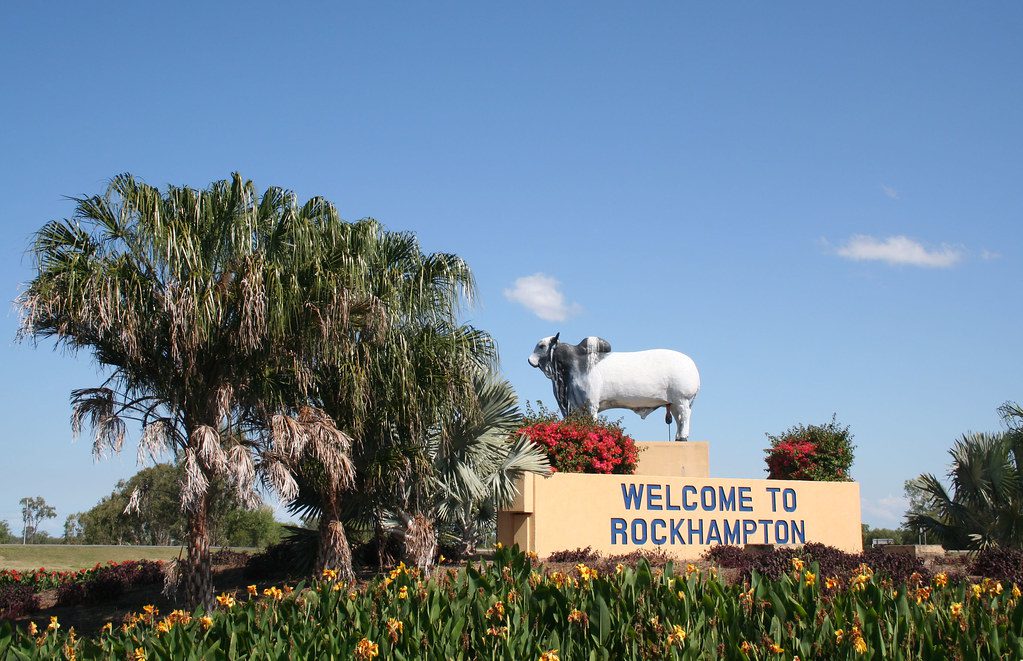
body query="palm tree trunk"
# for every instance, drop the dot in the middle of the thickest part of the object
(334, 552)
(198, 571)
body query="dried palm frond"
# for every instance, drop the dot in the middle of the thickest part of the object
(280, 479)
(206, 440)
(195, 484)
(156, 437)
(134, 501)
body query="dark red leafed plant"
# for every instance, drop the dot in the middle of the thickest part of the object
(582, 445)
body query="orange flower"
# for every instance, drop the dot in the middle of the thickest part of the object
(366, 649)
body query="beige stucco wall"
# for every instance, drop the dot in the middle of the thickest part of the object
(571, 510)
(691, 459)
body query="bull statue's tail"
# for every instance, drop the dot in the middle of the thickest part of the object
(667, 414)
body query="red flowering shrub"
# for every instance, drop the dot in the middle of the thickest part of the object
(815, 452)
(582, 445)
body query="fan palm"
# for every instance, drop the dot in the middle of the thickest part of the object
(391, 385)
(985, 505)
(200, 303)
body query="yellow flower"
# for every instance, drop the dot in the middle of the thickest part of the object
(955, 609)
(839, 633)
(976, 590)
(496, 611)
(108, 628)
(499, 546)
(403, 593)
(746, 647)
(859, 582)
(150, 609)
(498, 632)
(394, 627)
(353, 595)
(366, 649)
(550, 655)
(164, 625)
(677, 636)
(797, 564)
(226, 600)
(140, 654)
(329, 574)
(533, 557)
(585, 572)
(775, 648)
(922, 594)
(398, 571)
(274, 593)
(941, 579)
(206, 621)
(578, 617)
(54, 624)
(859, 645)
(810, 577)
(1015, 591)
(253, 591)
(831, 582)
(337, 587)
(681, 595)
(32, 628)
(692, 569)
(619, 568)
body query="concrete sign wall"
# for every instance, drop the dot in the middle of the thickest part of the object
(682, 515)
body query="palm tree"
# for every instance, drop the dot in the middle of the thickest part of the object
(985, 505)
(391, 386)
(197, 302)
(475, 462)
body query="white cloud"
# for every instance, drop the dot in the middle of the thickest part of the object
(884, 512)
(898, 250)
(540, 293)
(890, 192)
(988, 255)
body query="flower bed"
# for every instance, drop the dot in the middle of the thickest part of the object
(581, 445)
(513, 609)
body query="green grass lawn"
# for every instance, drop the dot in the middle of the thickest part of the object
(61, 557)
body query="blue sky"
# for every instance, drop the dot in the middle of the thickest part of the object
(820, 204)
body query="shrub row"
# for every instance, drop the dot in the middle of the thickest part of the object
(17, 600)
(511, 609)
(110, 581)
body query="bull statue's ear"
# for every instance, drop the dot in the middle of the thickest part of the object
(556, 336)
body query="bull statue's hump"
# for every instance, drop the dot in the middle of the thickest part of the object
(590, 377)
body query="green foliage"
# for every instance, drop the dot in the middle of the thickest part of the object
(985, 504)
(159, 520)
(511, 609)
(811, 452)
(6, 536)
(33, 512)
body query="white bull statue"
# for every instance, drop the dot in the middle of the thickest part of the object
(589, 376)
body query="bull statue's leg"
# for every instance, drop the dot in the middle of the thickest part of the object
(682, 411)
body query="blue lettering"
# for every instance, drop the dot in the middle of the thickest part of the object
(697, 532)
(785, 499)
(798, 531)
(774, 495)
(686, 490)
(676, 531)
(633, 497)
(618, 528)
(712, 505)
(726, 499)
(651, 497)
(653, 531)
(668, 505)
(749, 526)
(732, 534)
(781, 532)
(638, 527)
(766, 523)
(745, 500)
(713, 533)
